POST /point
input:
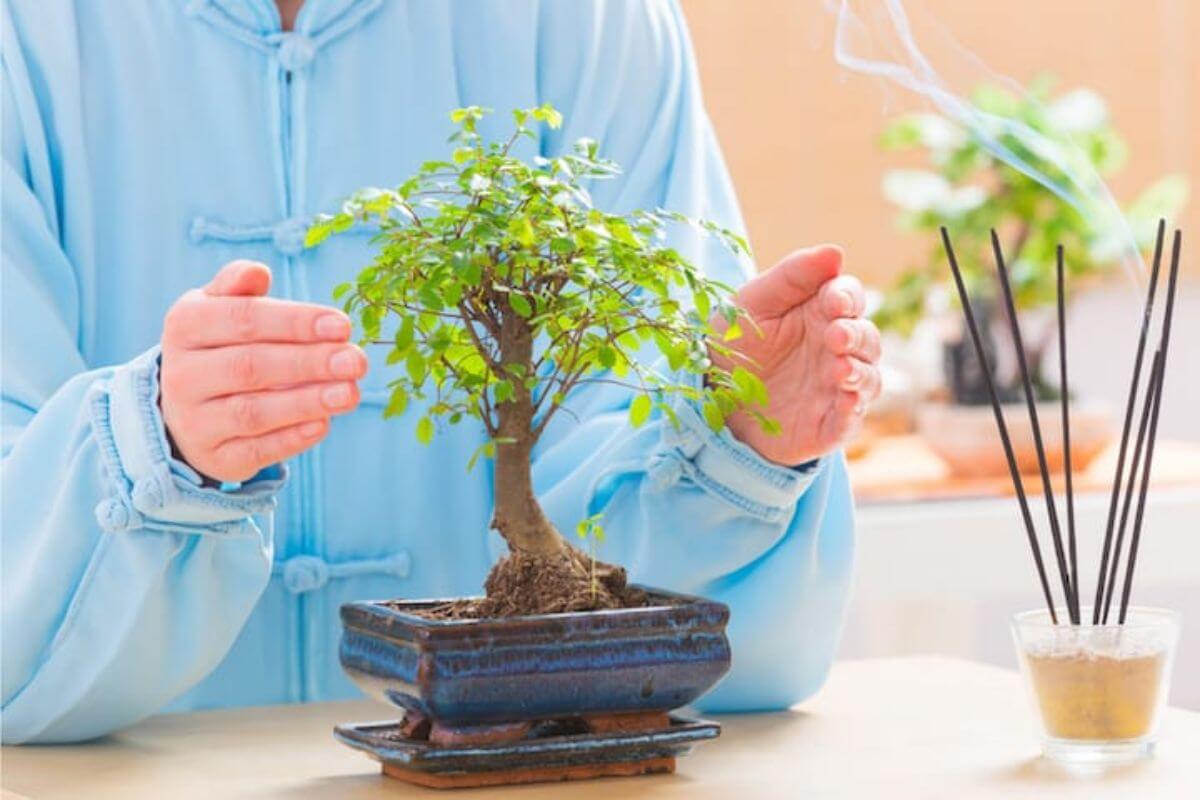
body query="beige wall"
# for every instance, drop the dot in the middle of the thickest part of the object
(799, 132)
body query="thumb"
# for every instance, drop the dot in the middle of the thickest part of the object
(240, 279)
(793, 281)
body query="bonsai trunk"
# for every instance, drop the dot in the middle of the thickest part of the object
(542, 573)
(518, 515)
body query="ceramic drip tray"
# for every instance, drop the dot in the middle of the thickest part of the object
(551, 750)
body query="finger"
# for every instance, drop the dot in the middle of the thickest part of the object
(792, 281)
(839, 370)
(250, 367)
(255, 413)
(847, 373)
(860, 376)
(240, 459)
(853, 337)
(240, 278)
(219, 321)
(848, 412)
(843, 297)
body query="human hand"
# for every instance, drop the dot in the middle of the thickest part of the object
(247, 380)
(817, 356)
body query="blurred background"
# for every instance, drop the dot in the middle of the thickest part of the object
(820, 152)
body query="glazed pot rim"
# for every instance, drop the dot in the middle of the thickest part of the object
(683, 603)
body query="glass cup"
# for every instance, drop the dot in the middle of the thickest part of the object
(1099, 690)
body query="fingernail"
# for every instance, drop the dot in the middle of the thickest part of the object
(332, 326)
(310, 429)
(855, 376)
(336, 396)
(855, 337)
(848, 302)
(345, 363)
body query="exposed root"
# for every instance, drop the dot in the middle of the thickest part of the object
(522, 583)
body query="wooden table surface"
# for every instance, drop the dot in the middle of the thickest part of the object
(885, 728)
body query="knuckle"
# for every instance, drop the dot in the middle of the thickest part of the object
(244, 367)
(249, 456)
(841, 369)
(177, 320)
(247, 412)
(835, 337)
(304, 363)
(300, 325)
(242, 318)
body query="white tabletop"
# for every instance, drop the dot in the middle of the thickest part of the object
(881, 728)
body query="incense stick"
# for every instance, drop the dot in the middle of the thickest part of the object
(1154, 401)
(1064, 389)
(1015, 473)
(1130, 403)
(1164, 347)
(1147, 408)
(1048, 489)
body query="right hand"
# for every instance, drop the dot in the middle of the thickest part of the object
(247, 380)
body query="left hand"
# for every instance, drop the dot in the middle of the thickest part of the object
(814, 351)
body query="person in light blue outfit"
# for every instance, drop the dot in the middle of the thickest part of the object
(159, 156)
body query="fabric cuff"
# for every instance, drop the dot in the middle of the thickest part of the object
(153, 488)
(733, 471)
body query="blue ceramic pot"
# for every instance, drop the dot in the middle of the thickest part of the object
(654, 658)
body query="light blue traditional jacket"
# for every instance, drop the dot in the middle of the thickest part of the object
(148, 142)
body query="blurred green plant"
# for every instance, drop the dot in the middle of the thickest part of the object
(971, 190)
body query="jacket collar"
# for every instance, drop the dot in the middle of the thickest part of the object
(261, 17)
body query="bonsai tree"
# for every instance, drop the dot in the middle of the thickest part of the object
(971, 189)
(500, 290)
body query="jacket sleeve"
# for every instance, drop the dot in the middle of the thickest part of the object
(685, 508)
(124, 581)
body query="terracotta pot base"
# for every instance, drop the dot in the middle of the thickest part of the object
(470, 780)
(602, 745)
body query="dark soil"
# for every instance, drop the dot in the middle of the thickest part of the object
(521, 584)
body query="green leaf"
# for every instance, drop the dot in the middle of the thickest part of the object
(340, 290)
(752, 388)
(416, 366)
(485, 450)
(669, 413)
(713, 416)
(405, 334)
(503, 391)
(425, 430)
(520, 304)
(397, 403)
(316, 234)
(521, 229)
(639, 410)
